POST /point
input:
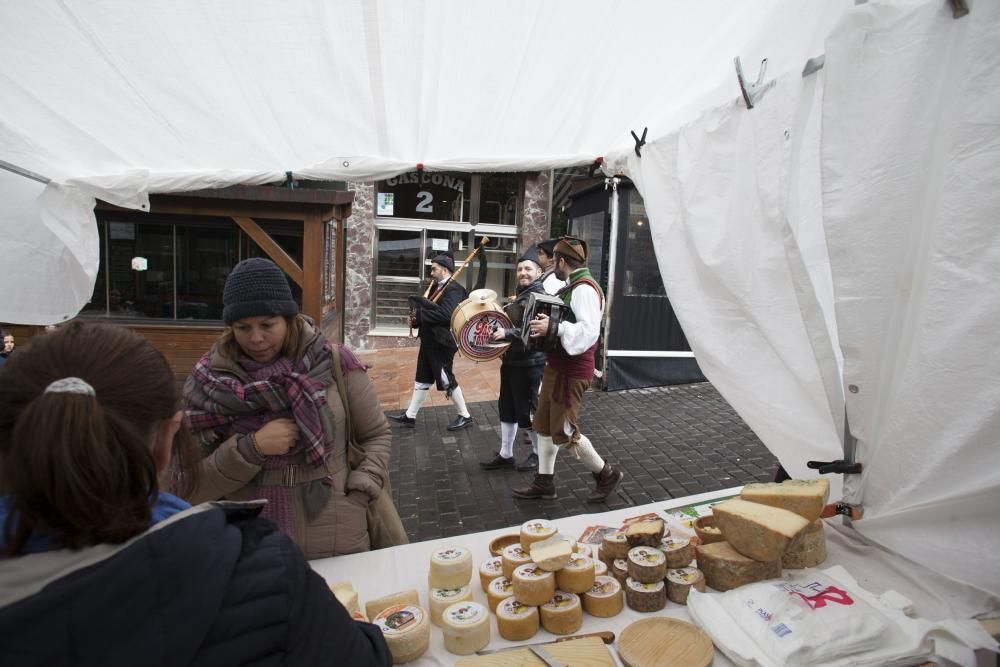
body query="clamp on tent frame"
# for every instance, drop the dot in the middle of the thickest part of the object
(639, 143)
(959, 8)
(598, 161)
(289, 181)
(751, 91)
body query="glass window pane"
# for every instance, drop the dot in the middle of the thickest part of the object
(398, 253)
(391, 305)
(499, 199)
(590, 228)
(288, 236)
(205, 255)
(98, 304)
(140, 293)
(425, 196)
(642, 273)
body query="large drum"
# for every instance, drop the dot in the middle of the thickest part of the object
(473, 324)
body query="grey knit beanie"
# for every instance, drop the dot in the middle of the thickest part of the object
(256, 287)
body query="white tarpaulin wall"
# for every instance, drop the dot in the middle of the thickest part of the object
(120, 99)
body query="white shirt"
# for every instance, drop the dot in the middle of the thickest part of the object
(551, 284)
(577, 337)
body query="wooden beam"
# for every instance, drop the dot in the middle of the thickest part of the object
(275, 251)
(313, 240)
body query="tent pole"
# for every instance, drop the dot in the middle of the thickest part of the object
(850, 450)
(612, 267)
(14, 169)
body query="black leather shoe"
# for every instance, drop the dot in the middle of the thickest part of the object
(401, 418)
(530, 463)
(460, 423)
(497, 462)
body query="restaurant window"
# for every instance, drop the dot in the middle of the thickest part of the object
(642, 274)
(165, 270)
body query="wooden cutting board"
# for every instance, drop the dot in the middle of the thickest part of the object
(662, 641)
(587, 652)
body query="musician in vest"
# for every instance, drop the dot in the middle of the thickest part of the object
(437, 346)
(568, 372)
(550, 281)
(520, 372)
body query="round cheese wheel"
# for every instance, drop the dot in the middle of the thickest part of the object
(465, 627)
(619, 569)
(583, 548)
(490, 570)
(533, 586)
(441, 598)
(499, 590)
(680, 581)
(604, 599)
(407, 631)
(646, 564)
(645, 597)
(562, 614)
(451, 567)
(615, 545)
(516, 621)
(536, 530)
(513, 557)
(678, 551)
(577, 576)
(600, 568)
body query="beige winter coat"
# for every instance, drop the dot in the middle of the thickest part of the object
(232, 470)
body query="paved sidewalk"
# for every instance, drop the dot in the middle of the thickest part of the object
(670, 441)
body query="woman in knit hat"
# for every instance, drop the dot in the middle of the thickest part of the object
(265, 404)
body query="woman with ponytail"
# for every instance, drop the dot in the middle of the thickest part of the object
(100, 566)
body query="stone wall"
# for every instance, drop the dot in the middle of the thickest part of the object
(537, 202)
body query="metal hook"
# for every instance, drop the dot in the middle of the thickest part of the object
(751, 92)
(639, 143)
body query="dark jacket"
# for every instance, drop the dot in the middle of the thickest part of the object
(213, 585)
(434, 319)
(516, 355)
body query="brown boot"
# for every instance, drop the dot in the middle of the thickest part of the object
(543, 486)
(606, 480)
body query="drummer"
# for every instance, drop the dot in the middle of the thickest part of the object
(437, 346)
(520, 372)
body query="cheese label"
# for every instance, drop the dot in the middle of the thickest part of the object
(620, 564)
(492, 566)
(674, 543)
(516, 552)
(537, 527)
(578, 562)
(683, 575)
(450, 553)
(654, 587)
(615, 537)
(448, 593)
(605, 587)
(531, 571)
(502, 585)
(514, 609)
(468, 613)
(562, 600)
(646, 556)
(398, 619)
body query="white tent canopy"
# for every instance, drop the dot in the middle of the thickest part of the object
(842, 233)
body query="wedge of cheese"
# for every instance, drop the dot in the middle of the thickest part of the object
(805, 497)
(552, 554)
(760, 532)
(345, 593)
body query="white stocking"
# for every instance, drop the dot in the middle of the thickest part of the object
(588, 455)
(534, 441)
(508, 431)
(547, 451)
(416, 400)
(459, 400)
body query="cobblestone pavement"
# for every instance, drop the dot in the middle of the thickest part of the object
(670, 441)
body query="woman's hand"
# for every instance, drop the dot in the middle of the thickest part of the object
(277, 437)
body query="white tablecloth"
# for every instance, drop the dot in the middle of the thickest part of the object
(388, 571)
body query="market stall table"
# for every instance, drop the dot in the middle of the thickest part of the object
(387, 571)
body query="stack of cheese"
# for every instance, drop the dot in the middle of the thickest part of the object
(464, 624)
(768, 527)
(552, 580)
